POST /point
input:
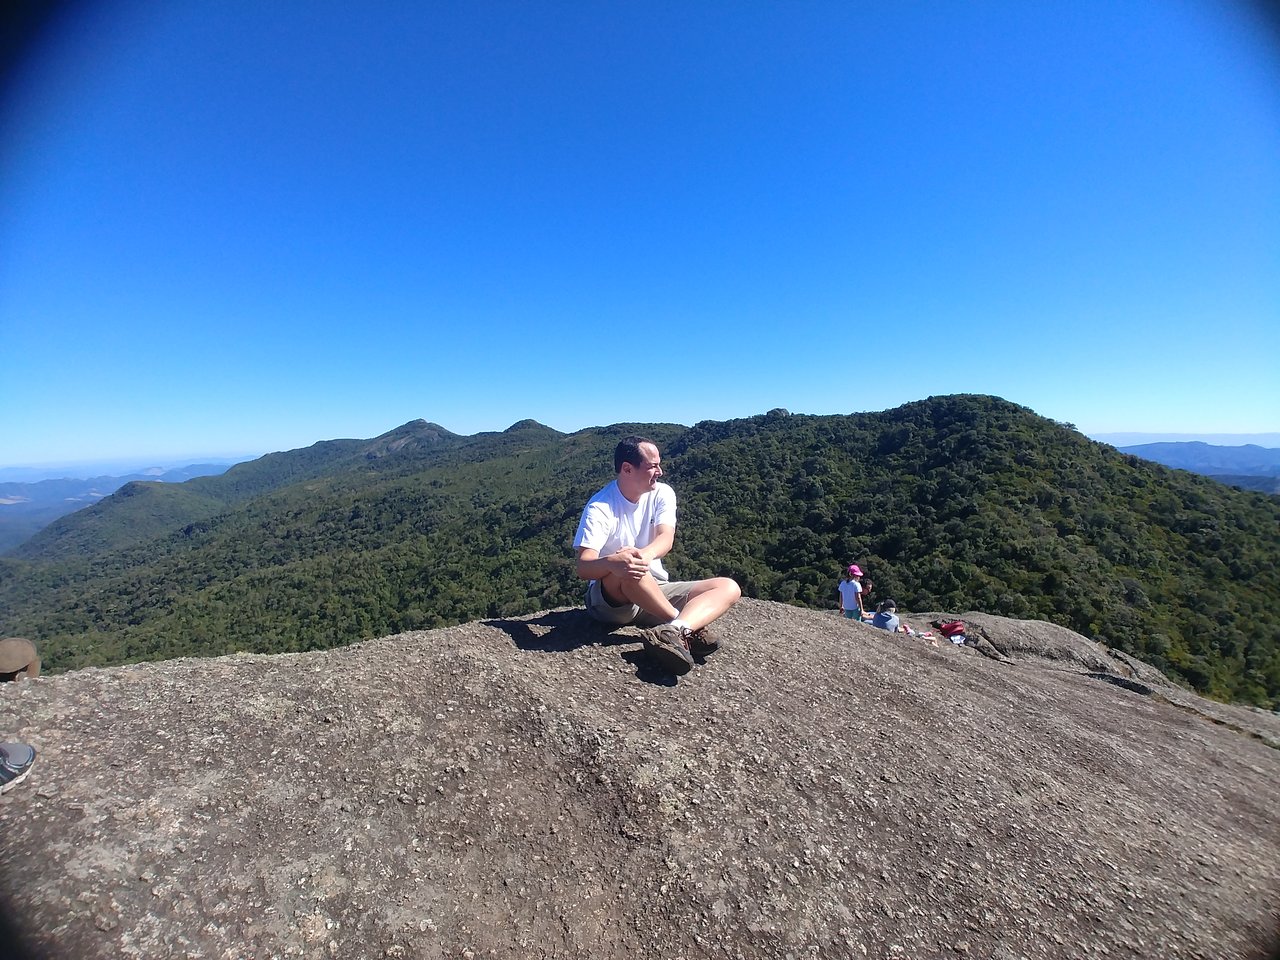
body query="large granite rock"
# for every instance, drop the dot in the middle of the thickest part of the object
(531, 788)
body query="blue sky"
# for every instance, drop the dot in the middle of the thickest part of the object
(240, 227)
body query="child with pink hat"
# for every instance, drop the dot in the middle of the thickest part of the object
(850, 591)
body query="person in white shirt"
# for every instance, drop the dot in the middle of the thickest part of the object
(850, 591)
(625, 531)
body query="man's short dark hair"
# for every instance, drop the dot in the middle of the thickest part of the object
(628, 451)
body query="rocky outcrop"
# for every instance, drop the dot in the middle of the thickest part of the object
(18, 659)
(531, 788)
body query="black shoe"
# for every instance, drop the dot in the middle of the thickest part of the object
(670, 648)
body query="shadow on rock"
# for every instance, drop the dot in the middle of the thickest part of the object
(563, 631)
(647, 671)
(1124, 682)
(558, 631)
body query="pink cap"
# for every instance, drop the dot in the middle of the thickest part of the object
(855, 570)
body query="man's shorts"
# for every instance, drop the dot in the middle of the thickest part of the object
(851, 614)
(599, 607)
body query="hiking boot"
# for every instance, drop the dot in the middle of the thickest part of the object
(16, 760)
(702, 642)
(669, 646)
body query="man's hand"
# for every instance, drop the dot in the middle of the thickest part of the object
(629, 563)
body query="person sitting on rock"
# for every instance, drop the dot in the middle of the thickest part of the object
(886, 618)
(625, 531)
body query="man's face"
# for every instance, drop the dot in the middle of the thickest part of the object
(644, 476)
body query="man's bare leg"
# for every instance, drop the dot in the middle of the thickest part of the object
(709, 600)
(644, 593)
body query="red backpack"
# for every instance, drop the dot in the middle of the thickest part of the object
(950, 628)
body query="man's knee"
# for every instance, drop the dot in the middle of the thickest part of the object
(601, 608)
(721, 590)
(728, 588)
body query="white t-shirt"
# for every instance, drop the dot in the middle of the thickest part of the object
(849, 590)
(610, 522)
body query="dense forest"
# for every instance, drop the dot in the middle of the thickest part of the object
(952, 503)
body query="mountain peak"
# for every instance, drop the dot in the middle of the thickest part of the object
(414, 435)
(522, 425)
(417, 428)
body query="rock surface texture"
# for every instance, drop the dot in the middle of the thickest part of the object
(531, 788)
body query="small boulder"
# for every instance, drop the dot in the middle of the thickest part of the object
(18, 659)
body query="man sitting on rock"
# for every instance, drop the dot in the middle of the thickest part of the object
(625, 531)
(886, 618)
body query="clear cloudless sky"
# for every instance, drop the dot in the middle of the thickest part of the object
(236, 227)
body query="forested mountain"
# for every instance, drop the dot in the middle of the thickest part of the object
(962, 502)
(26, 508)
(1247, 482)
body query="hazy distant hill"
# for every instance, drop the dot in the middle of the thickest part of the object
(960, 503)
(26, 508)
(1249, 460)
(1249, 467)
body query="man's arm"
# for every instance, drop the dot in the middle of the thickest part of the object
(630, 562)
(664, 539)
(627, 562)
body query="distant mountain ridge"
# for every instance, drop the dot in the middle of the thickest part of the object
(1250, 467)
(959, 502)
(1133, 438)
(1211, 460)
(26, 508)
